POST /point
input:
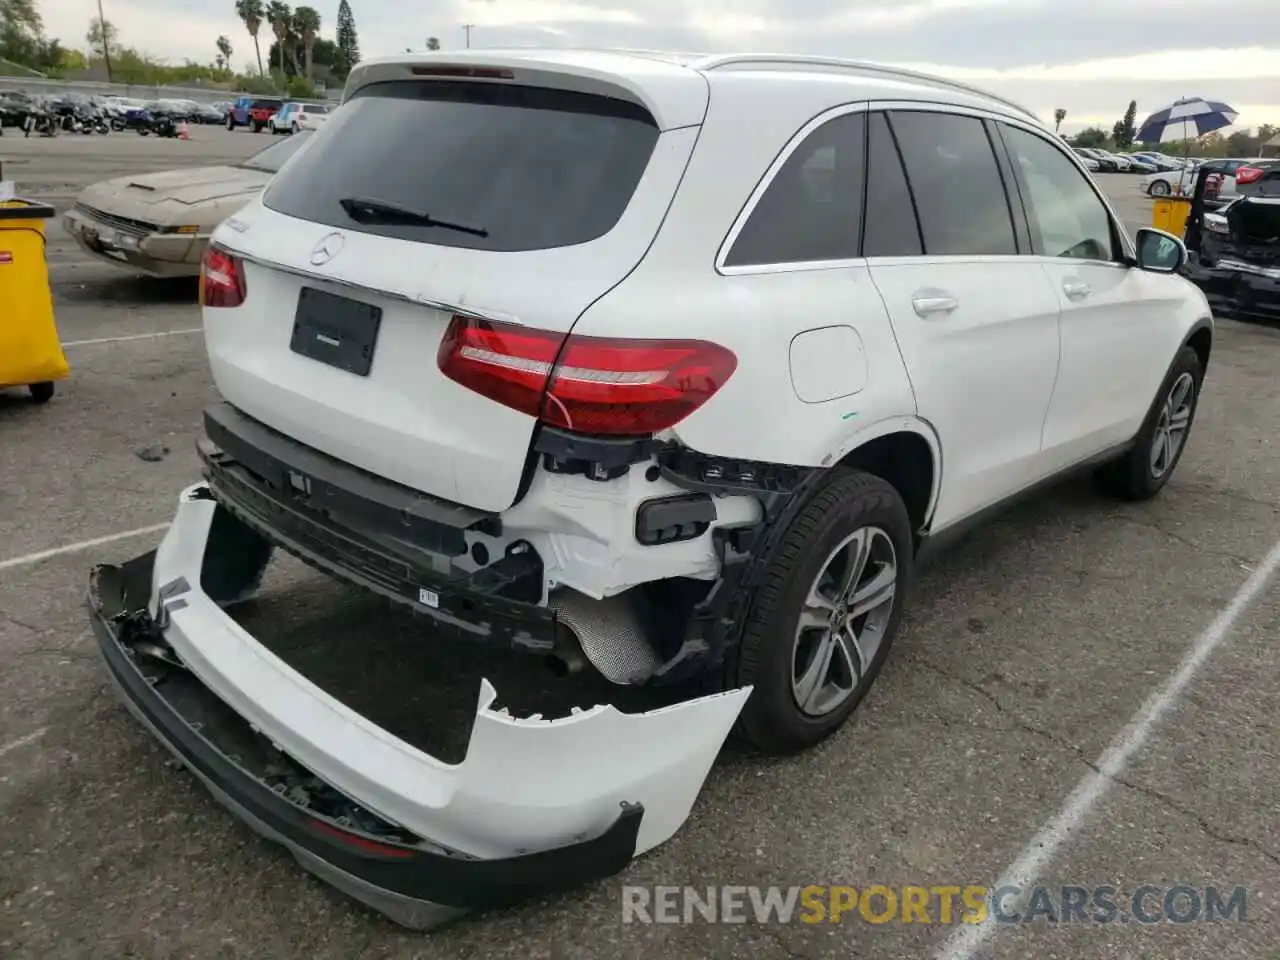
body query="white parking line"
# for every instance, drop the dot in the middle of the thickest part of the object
(23, 741)
(134, 336)
(1036, 855)
(82, 545)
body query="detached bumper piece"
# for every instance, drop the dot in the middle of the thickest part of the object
(537, 806)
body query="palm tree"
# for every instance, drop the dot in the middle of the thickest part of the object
(224, 52)
(252, 13)
(306, 23)
(281, 19)
(1058, 116)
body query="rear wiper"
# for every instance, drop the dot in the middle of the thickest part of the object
(368, 210)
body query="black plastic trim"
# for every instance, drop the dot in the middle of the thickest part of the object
(599, 458)
(118, 606)
(328, 484)
(29, 210)
(673, 519)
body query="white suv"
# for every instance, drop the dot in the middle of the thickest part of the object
(672, 366)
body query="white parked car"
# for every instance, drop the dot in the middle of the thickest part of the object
(297, 117)
(1182, 182)
(669, 366)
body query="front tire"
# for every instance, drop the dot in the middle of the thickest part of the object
(1160, 188)
(1144, 470)
(41, 392)
(822, 621)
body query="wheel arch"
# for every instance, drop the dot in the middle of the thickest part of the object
(906, 453)
(1200, 339)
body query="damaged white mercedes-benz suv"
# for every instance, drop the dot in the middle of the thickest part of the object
(664, 367)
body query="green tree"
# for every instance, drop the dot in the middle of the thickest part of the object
(280, 16)
(1058, 116)
(348, 41)
(1128, 127)
(252, 13)
(102, 35)
(224, 52)
(1090, 137)
(21, 32)
(306, 24)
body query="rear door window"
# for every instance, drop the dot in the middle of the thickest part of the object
(959, 193)
(812, 209)
(464, 164)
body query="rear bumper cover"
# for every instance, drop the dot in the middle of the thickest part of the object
(536, 806)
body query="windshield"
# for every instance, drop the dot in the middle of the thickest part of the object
(526, 168)
(273, 158)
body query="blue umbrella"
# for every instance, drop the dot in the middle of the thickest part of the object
(1185, 119)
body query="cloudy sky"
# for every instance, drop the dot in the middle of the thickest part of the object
(1089, 56)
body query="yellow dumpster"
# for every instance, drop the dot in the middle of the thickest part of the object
(1170, 214)
(30, 352)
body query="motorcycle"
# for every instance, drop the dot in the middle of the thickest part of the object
(42, 121)
(161, 124)
(93, 120)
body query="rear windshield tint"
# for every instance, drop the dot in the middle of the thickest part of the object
(264, 104)
(530, 168)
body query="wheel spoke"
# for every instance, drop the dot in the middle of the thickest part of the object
(1178, 422)
(808, 688)
(1181, 389)
(1157, 451)
(856, 553)
(850, 651)
(876, 592)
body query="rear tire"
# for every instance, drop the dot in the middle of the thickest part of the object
(1159, 188)
(805, 610)
(1143, 471)
(41, 392)
(231, 124)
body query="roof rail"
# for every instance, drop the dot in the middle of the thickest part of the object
(802, 60)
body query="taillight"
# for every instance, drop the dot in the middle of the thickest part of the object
(221, 279)
(596, 385)
(1249, 174)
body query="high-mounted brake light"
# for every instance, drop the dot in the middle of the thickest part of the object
(1249, 174)
(221, 279)
(596, 385)
(464, 73)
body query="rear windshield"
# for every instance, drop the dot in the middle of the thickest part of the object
(265, 104)
(519, 168)
(310, 109)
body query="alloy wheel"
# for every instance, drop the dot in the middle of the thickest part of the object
(1171, 428)
(843, 622)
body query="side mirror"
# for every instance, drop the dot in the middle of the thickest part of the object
(1160, 252)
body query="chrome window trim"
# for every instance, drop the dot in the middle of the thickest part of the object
(766, 181)
(1126, 242)
(928, 106)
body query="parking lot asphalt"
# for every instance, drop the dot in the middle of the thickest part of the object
(1029, 651)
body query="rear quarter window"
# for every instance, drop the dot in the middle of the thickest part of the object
(524, 168)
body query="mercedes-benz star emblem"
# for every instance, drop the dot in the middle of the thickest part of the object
(328, 248)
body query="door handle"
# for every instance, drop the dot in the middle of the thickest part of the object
(1076, 289)
(933, 305)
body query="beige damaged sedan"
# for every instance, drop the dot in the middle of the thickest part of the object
(159, 223)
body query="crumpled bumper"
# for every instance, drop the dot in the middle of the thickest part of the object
(536, 806)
